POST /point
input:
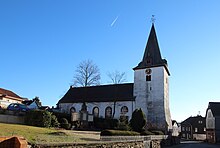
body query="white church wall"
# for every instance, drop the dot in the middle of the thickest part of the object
(65, 107)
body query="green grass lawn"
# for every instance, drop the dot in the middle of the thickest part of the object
(37, 135)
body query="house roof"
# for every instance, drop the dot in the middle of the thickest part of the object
(102, 93)
(9, 93)
(215, 108)
(193, 120)
(174, 121)
(152, 56)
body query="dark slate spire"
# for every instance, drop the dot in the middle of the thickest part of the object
(152, 56)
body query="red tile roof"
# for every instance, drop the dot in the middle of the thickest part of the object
(8, 93)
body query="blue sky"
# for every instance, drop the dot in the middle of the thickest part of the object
(42, 42)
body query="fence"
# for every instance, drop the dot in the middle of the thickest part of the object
(11, 119)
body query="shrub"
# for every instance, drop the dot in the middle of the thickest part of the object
(145, 133)
(138, 120)
(102, 123)
(38, 118)
(62, 115)
(65, 124)
(54, 121)
(158, 132)
(123, 126)
(2, 111)
(118, 133)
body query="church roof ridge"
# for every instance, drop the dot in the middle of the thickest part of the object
(102, 85)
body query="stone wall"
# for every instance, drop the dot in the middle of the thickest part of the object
(137, 144)
(114, 142)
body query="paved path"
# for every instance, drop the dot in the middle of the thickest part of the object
(88, 135)
(194, 144)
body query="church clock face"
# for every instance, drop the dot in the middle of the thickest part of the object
(148, 71)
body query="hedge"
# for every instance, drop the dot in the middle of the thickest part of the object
(102, 123)
(145, 133)
(41, 118)
(118, 133)
(158, 132)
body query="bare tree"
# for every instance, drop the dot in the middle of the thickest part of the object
(87, 74)
(117, 77)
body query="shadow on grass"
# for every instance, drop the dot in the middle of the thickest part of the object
(58, 134)
(89, 139)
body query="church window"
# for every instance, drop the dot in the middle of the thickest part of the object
(96, 112)
(72, 110)
(124, 110)
(148, 78)
(108, 112)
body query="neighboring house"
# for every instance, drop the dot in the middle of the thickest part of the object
(7, 97)
(32, 104)
(213, 122)
(150, 92)
(176, 129)
(194, 128)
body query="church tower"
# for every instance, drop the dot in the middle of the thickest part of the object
(151, 85)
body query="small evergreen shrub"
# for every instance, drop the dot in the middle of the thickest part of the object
(138, 120)
(65, 124)
(62, 115)
(118, 133)
(123, 126)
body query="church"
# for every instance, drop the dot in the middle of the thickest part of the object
(150, 92)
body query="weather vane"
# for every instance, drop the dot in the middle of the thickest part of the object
(153, 19)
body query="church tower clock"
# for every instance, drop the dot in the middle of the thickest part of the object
(151, 85)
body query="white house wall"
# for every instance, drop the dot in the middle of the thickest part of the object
(65, 107)
(210, 120)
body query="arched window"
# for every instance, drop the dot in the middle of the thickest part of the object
(124, 110)
(72, 110)
(95, 112)
(108, 112)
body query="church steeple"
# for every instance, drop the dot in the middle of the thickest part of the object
(152, 56)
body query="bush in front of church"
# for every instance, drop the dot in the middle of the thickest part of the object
(138, 120)
(146, 133)
(102, 123)
(123, 126)
(118, 133)
(65, 124)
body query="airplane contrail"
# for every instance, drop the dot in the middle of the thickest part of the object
(114, 21)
